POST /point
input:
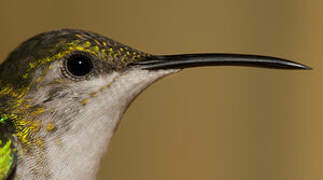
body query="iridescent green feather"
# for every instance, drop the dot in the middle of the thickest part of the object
(7, 154)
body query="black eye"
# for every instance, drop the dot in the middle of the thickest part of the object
(79, 64)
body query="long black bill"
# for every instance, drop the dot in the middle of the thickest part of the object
(196, 60)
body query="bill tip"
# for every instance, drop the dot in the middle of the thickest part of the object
(304, 67)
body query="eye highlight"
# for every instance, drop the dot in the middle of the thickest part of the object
(79, 64)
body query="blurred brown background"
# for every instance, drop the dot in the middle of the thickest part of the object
(207, 123)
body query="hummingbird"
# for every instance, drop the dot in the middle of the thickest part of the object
(63, 93)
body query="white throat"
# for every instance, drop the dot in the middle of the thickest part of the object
(78, 154)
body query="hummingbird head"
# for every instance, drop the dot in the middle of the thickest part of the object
(63, 93)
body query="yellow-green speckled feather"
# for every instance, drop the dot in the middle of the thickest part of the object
(7, 155)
